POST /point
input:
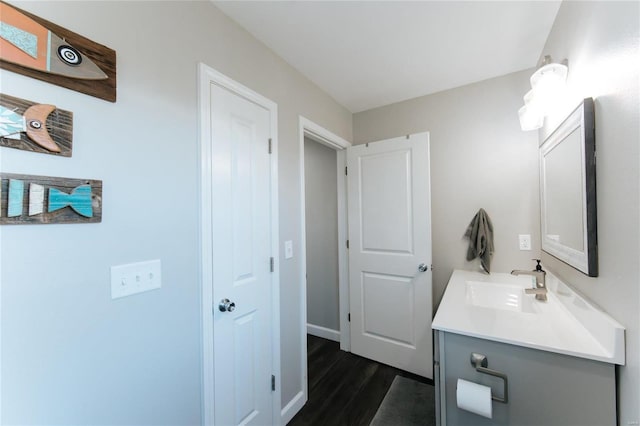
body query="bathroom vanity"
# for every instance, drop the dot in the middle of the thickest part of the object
(555, 360)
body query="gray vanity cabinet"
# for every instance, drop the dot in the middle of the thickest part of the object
(545, 388)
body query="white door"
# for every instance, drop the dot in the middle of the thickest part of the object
(389, 237)
(241, 259)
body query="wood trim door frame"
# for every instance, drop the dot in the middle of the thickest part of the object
(206, 77)
(308, 128)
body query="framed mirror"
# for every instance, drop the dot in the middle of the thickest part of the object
(568, 191)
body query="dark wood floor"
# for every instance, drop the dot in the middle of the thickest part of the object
(344, 389)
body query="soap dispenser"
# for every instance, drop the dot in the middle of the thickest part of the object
(540, 274)
(539, 266)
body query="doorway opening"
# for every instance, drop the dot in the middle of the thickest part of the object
(316, 134)
(390, 176)
(321, 240)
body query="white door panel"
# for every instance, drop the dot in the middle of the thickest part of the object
(241, 245)
(376, 289)
(390, 235)
(379, 234)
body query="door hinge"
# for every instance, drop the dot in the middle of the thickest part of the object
(347, 243)
(272, 264)
(269, 145)
(346, 170)
(349, 317)
(273, 383)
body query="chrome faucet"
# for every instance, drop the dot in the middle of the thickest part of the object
(541, 289)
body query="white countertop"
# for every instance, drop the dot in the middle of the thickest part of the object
(567, 323)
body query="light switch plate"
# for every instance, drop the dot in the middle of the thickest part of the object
(524, 241)
(135, 278)
(288, 249)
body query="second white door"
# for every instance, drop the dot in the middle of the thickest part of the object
(241, 265)
(390, 252)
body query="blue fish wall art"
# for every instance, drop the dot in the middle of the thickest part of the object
(26, 199)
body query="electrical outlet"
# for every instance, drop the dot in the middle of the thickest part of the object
(135, 278)
(288, 249)
(524, 241)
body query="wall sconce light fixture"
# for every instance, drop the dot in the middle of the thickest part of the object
(547, 83)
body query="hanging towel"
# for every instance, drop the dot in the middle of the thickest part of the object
(480, 234)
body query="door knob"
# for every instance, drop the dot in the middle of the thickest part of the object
(423, 268)
(226, 305)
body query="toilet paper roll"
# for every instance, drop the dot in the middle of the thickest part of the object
(474, 398)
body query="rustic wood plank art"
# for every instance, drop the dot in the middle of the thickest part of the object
(40, 130)
(37, 48)
(26, 199)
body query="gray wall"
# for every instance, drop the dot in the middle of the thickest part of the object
(600, 40)
(479, 158)
(71, 355)
(321, 199)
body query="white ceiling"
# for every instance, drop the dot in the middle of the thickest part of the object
(367, 54)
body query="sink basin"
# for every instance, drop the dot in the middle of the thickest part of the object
(495, 307)
(499, 296)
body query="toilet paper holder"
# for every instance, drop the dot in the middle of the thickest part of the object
(480, 363)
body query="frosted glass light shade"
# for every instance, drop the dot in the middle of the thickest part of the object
(548, 82)
(529, 119)
(532, 103)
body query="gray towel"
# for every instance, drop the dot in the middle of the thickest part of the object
(480, 234)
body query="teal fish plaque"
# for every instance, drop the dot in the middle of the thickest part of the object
(27, 199)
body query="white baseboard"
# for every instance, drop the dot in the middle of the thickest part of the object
(325, 333)
(292, 407)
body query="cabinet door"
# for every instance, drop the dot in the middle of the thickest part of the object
(544, 388)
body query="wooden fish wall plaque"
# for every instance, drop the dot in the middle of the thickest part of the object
(37, 48)
(26, 199)
(35, 127)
